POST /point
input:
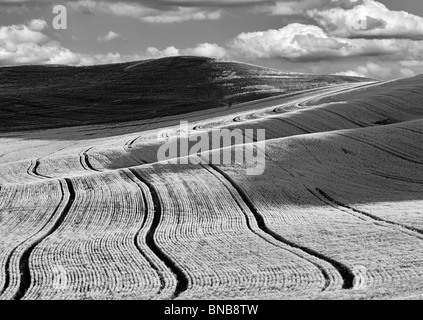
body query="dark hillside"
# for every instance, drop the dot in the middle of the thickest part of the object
(41, 97)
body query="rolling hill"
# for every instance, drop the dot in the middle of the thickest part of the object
(87, 212)
(41, 97)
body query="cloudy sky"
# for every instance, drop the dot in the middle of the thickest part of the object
(379, 39)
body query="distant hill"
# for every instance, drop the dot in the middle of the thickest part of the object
(41, 97)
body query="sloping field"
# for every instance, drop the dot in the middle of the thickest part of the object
(28, 214)
(89, 213)
(41, 97)
(102, 244)
(97, 148)
(335, 202)
(218, 244)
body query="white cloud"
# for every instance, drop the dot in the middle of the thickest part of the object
(14, 35)
(37, 25)
(379, 70)
(203, 49)
(387, 48)
(407, 73)
(299, 42)
(156, 53)
(368, 18)
(349, 73)
(169, 14)
(412, 63)
(352, 18)
(92, 59)
(109, 37)
(26, 44)
(21, 44)
(374, 70)
(297, 7)
(207, 50)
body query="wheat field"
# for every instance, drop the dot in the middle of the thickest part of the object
(88, 211)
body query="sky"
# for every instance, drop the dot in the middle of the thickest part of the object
(377, 39)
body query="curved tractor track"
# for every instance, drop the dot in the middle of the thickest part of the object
(334, 215)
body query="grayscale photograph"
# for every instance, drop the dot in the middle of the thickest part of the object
(216, 150)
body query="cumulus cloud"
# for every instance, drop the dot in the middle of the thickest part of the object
(353, 18)
(207, 50)
(299, 42)
(26, 44)
(349, 37)
(342, 18)
(109, 37)
(369, 70)
(374, 70)
(37, 25)
(407, 73)
(203, 49)
(378, 71)
(341, 31)
(152, 52)
(93, 59)
(349, 73)
(369, 19)
(22, 43)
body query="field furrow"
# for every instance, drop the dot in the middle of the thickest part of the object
(88, 209)
(218, 244)
(316, 194)
(346, 274)
(181, 279)
(399, 226)
(27, 212)
(19, 172)
(86, 162)
(98, 251)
